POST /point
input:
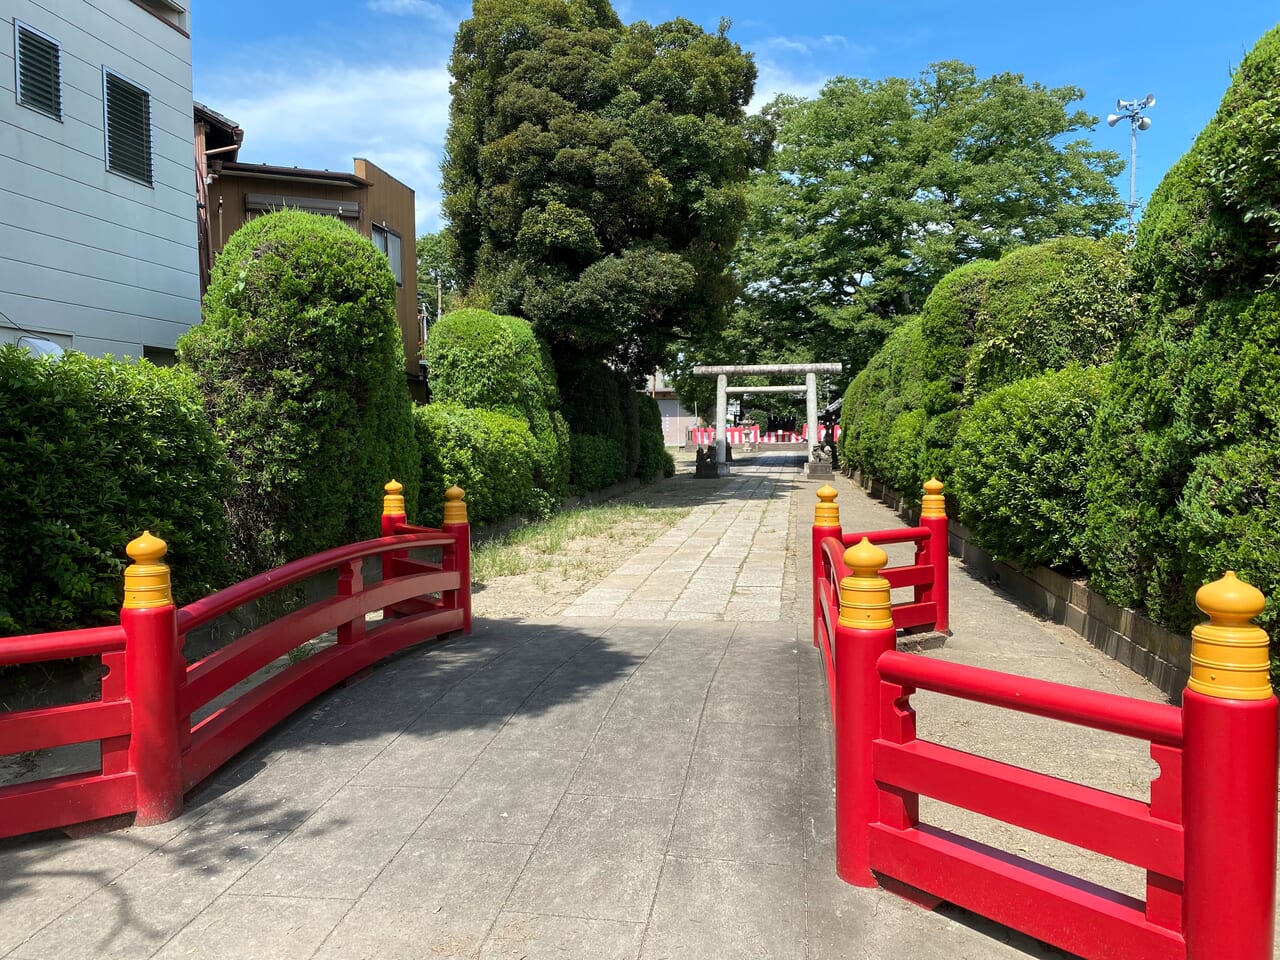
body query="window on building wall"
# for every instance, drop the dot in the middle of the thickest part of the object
(128, 122)
(388, 241)
(38, 71)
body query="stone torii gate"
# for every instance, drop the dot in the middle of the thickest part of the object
(810, 388)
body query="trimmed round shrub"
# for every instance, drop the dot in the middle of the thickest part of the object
(947, 322)
(486, 361)
(1210, 231)
(1019, 466)
(889, 386)
(93, 452)
(487, 453)
(301, 366)
(1046, 306)
(1195, 384)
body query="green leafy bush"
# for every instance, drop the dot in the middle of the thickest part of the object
(1046, 306)
(653, 449)
(1197, 388)
(1212, 228)
(486, 361)
(301, 366)
(1019, 466)
(92, 452)
(889, 386)
(487, 453)
(597, 462)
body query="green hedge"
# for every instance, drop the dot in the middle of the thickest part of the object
(483, 360)
(653, 450)
(1019, 466)
(92, 452)
(888, 387)
(1045, 306)
(1184, 450)
(597, 462)
(301, 365)
(487, 453)
(1210, 229)
(1189, 398)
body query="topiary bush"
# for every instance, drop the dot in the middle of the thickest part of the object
(889, 386)
(1212, 228)
(487, 453)
(486, 361)
(1045, 306)
(1197, 388)
(1019, 466)
(93, 452)
(301, 366)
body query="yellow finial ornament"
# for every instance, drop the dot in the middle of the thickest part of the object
(864, 594)
(146, 580)
(393, 501)
(827, 512)
(455, 510)
(933, 503)
(1229, 656)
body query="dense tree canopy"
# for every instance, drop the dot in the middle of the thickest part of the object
(878, 188)
(595, 174)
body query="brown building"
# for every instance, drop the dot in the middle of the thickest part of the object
(369, 200)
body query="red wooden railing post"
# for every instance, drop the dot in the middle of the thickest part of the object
(865, 631)
(392, 516)
(455, 522)
(1229, 780)
(826, 523)
(152, 681)
(933, 517)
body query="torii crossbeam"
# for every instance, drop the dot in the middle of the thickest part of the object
(810, 388)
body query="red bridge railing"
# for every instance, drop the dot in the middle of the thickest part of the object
(1206, 836)
(929, 607)
(151, 752)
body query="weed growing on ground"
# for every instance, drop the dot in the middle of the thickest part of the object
(550, 545)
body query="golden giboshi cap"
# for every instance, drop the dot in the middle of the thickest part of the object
(1229, 656)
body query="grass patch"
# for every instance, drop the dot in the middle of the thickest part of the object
(558, 544)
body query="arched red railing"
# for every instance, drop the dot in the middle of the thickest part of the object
(151, 752)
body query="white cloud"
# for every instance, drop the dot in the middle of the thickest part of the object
(411, 8)
(774, 79)
(321, 115)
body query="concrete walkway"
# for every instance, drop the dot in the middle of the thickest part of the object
(647, 776)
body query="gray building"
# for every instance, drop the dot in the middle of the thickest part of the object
(98, 242)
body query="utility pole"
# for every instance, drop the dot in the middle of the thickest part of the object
(1132, 111)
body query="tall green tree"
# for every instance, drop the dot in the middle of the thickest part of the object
(595, 174)
(437, 280)
(878, 188)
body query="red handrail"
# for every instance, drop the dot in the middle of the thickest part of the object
(86, 642)
(224, 601)
(902, 535)
(1157, 722)
(150, 751)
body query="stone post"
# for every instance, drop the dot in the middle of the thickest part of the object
(811, 409)
(722, 414)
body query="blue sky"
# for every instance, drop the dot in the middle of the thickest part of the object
(315, 84)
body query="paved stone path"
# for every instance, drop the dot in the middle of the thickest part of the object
(647, 777)
(725, 561)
